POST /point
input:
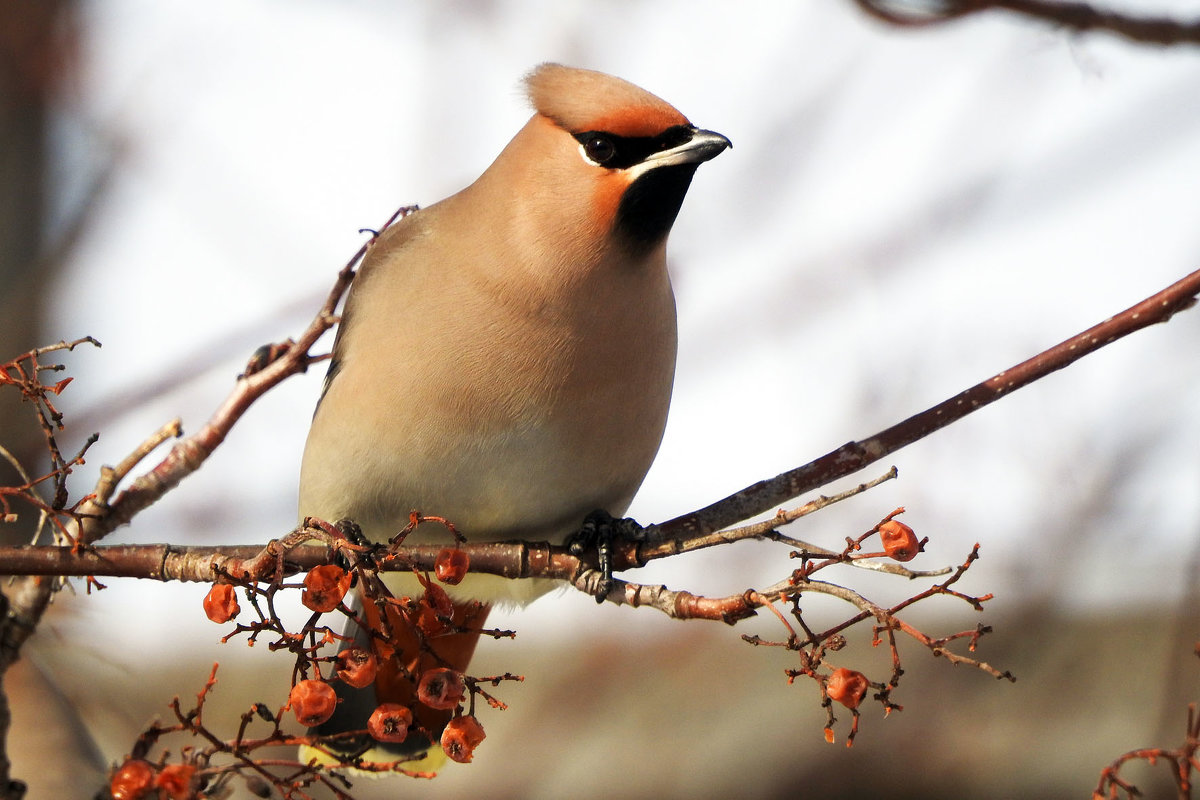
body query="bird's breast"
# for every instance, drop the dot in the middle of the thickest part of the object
(512, 416)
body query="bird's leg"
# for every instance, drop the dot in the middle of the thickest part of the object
(353, 533)
(600, 530)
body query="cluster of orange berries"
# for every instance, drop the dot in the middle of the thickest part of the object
(848, 686)
(313, 701)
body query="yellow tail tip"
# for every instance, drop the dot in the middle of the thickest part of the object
(424, 765)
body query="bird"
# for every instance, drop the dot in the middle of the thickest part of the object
(505, 360)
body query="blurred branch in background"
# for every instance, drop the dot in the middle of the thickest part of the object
(43, 212)
(37, 45)
(1079, 17)
(44, 209)
(37, 58)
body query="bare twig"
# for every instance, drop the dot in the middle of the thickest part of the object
(1182, 761)
(289, 358)
(766, 529)
(111, 476)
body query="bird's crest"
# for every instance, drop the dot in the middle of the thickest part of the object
(580, 100)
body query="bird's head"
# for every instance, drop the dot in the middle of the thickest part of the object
(605, 158)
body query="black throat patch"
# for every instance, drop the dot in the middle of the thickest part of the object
(649, 206)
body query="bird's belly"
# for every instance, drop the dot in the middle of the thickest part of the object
(513, 485)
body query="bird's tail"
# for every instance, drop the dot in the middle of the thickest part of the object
(407, 645)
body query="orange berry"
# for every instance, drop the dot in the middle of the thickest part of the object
(389, 723)
(357, 667)
(428, 622)
(220, 604)
(133, 780)
(312, 702)
(899, 541)
(451, 565)
(176, 780)
(460, 738)
(324, 588)
(434, 610)
(847, 686)
(437, 600)
(441, 687)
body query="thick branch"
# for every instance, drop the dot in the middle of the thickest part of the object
(296, 553)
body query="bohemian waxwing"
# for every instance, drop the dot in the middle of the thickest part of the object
(505, 357)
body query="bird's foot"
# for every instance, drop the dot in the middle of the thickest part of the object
(600, 530)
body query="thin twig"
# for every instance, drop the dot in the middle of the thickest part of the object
(111, 476)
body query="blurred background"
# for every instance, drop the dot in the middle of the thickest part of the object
(904, 213)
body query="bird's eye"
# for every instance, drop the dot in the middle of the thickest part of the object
(599, 149)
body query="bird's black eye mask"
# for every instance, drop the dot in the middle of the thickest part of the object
(621, 152)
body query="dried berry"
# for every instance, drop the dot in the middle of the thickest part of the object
(133, 780)
(428, 622)
(437, 599)
(324, 588)
(847, 686)
(441, 688)
(460, 738)
(451, 566)
(357, 667)
(312, 702)
(220, 604)
(175, 781)
(434, 610)
(899, 541)
(389, 723)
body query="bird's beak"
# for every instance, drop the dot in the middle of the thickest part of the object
(702, 146)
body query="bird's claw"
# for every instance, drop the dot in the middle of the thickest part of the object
(599, 530)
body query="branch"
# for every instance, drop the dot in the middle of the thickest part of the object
(291, 555)
(525, 559)
(1078, 17)
(854, 456)
(521, 560)
(287, 359)
(250, 565)
(94, 516)
(1182, 761)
